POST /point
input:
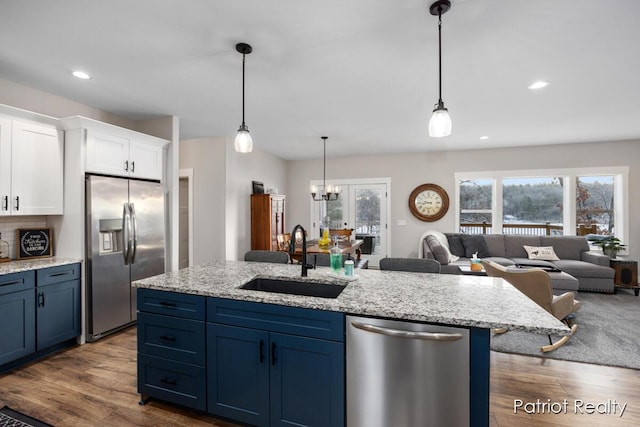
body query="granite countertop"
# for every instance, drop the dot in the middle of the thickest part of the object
(483, 302)
(34, 264)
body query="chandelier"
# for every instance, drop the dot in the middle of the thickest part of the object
(326, 192)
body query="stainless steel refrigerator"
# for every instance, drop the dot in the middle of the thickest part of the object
(124, 242)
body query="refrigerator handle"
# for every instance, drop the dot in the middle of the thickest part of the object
(134, 232)
(126, 234)
(430, 336)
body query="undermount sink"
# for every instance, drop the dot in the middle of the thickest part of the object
(294, 287)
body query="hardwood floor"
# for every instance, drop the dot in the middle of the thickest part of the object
(95, 385)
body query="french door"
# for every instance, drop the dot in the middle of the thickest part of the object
(363, 206)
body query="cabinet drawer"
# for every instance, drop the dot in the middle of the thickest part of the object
(15, 282)
(171, 304)
(176, 382)
(306, 322)
(59, 274)
(171, 338)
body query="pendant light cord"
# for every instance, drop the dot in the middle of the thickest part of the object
(243, 55)
(324, 165)
(439, 56)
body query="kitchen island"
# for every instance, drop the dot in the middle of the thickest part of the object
(226, 325)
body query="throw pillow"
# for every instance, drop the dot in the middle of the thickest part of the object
(474, 243)
(439, 251)
(455, 244)
(541, 252)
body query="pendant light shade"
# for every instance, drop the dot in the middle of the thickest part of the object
(440, 123)
(243, 142)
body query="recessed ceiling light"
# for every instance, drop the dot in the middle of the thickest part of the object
(538, 85)
(484, 137)
(81, 75)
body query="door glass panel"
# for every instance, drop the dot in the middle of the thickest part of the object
(368, 221)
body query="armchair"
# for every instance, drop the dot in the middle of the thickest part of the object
(536, 284)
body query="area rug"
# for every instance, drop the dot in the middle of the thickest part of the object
(608, 331)
(13, 418)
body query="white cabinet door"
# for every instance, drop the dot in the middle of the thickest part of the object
(146, 160)
(36, 169)
(5, 166)
(108, 154)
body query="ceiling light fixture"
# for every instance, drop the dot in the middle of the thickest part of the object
(243, 143)
(484, 137)
(327, 192)
(81, 75)
(440, 123)
(538, 85)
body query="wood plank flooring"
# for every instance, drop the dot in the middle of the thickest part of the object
(95, 385)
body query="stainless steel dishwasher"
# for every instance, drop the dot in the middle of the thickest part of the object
(406, 374)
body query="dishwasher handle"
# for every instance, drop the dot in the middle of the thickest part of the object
(430, 336)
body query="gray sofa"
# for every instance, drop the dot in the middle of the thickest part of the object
(590, 268)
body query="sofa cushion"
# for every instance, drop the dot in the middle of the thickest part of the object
(495, 244)
(526, 262)
(566, 247)
(474, 244)
(440, 252)
(455, 244)
(506, 262)
(541, 252)
(514, 245)
(580, 269)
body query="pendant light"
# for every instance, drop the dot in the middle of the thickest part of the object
(440, 123)
(326, 192)
(243, 142)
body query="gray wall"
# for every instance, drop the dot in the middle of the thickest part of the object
(407, 171)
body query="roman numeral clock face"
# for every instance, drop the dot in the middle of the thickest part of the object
(428, 202)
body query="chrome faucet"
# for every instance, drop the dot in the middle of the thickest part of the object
(292, 247)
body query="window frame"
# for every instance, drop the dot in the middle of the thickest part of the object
(569, 175)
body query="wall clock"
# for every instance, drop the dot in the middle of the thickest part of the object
(428, 202)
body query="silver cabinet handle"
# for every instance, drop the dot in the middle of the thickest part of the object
(430, 336)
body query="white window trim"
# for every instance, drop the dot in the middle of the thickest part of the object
(621, 188)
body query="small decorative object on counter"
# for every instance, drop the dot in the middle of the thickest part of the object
(4, 250)
(335, 256)
(475, 263)
(348, 267)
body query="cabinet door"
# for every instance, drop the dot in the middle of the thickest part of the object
(238, 373)
(307, 381)
(36, 169)
(58, 313)
(5, 166)
(17, 325)
(108, 154)
(145, 160)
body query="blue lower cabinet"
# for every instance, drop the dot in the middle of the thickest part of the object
(307, 381)
(58, 313)
(180, 383)
(17, 325)
(238, 373)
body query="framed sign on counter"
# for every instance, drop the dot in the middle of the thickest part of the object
(34, 243)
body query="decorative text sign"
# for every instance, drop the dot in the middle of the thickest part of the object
(34, 243)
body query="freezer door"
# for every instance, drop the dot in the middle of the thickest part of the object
(107, 277)
(147, 217)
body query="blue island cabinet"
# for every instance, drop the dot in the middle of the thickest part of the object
(271, 365)
(17, 316)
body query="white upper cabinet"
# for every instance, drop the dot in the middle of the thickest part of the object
(31, 168)
(112, 150)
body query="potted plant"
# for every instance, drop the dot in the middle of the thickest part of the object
(610, 246)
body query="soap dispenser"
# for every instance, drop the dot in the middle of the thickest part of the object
(335, 257)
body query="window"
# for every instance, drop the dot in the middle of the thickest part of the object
(544, 202)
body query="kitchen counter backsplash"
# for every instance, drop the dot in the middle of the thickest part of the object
(473, 301)
(34, 264)
(9, 228)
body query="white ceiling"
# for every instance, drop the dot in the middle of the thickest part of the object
(363, 72)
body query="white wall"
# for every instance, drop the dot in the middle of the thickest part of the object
(407, 171)
(206, 157)
(241, 170)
